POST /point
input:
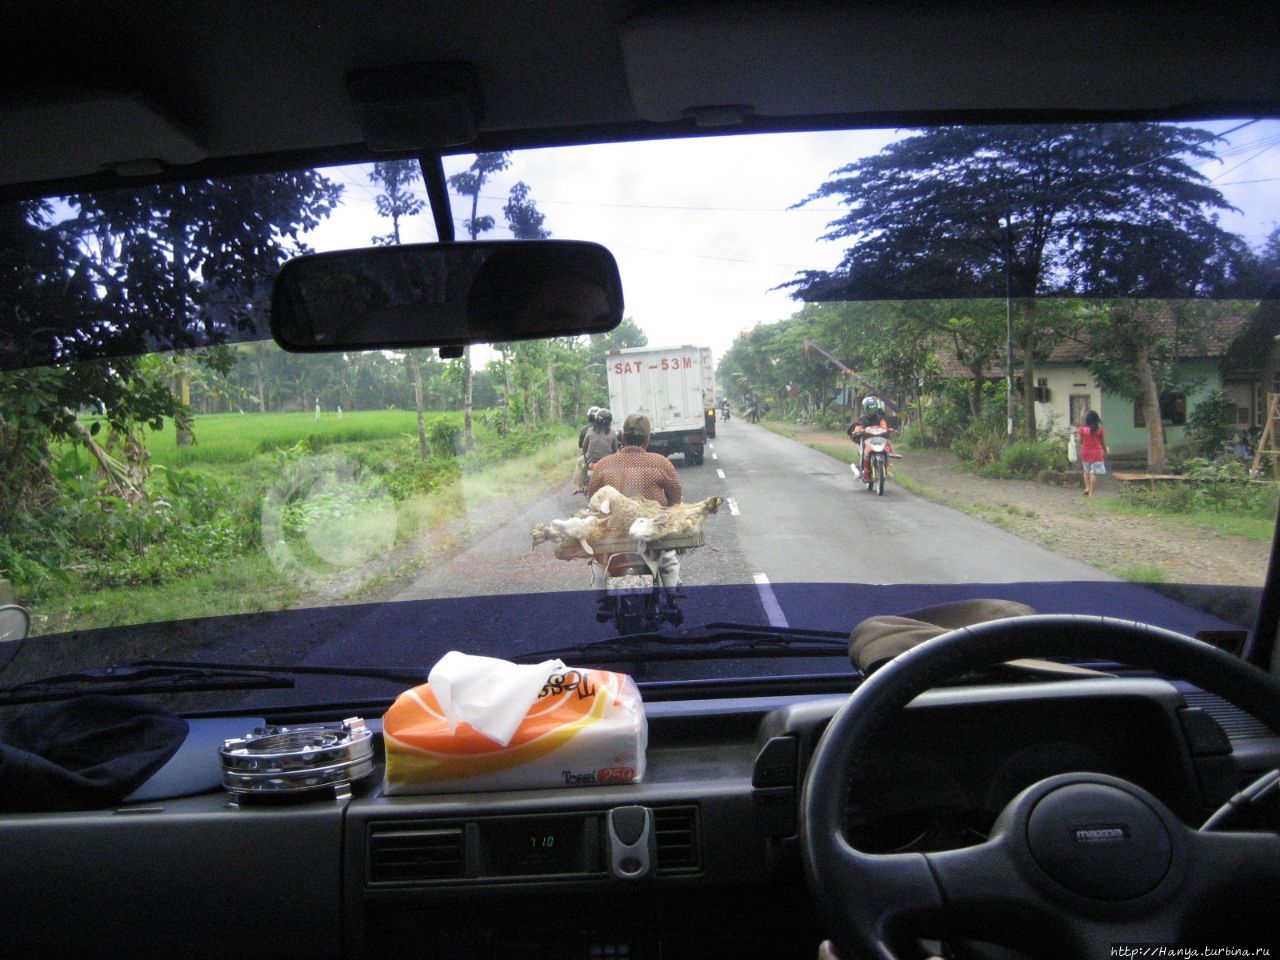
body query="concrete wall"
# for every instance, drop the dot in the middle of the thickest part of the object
(1063, 383)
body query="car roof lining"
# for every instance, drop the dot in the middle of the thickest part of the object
(265, 88)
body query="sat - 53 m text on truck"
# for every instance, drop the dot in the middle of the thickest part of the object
(667, 385)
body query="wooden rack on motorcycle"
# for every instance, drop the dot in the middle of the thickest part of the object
(631, 545)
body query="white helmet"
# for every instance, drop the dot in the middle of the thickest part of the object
(591, 414)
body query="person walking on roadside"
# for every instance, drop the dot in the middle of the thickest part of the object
(1093, 451)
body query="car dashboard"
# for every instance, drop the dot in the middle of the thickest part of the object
(535, 873)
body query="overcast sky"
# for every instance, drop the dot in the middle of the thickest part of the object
(701, 229)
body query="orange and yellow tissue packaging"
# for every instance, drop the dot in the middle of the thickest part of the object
(585, 728)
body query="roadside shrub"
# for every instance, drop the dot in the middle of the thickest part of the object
(444, 438)
(1023, 460)
(980, 444)
(912, 437)
(1209, 488)
(1211, 424)
(829, 419)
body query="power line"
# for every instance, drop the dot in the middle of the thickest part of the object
(708, 256)
(1249, 160)
(668, 206)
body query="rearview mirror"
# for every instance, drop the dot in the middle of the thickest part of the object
(445, 294)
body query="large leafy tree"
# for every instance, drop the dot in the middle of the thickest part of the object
(469, 183)
(396, 201)
(93, 281)
(1028, 211)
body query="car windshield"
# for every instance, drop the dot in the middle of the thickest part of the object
(1067, 333)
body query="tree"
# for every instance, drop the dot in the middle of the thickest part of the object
(525, 222)
(1133, 348)
(468, 183)
(93, 281)
(1021, 211)
(397, 200)
(523, 216)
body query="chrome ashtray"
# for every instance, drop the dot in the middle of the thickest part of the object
(299, 761)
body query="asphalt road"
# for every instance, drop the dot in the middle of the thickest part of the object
(798, 544)
(792, 515)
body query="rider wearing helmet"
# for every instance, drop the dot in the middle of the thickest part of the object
(580, 473)
(872, 416)
(601, 439)
(591, 418)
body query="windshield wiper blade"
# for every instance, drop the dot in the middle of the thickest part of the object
(410, 677)
(722, 640)
(140, 678)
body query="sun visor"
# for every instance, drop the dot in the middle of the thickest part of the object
(719, 64)
(83, 131)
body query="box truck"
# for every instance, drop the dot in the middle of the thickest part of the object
(669, 386)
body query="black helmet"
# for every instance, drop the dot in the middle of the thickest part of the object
(604, 417)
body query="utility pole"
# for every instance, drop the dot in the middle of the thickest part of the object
(1011, 405)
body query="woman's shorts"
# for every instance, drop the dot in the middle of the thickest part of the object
(1098, 467)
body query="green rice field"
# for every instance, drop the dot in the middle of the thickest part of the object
(235, 437)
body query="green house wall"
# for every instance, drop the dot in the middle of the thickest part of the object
(1117, 412)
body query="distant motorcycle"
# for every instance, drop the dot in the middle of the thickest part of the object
(876, 451)
(724, 413)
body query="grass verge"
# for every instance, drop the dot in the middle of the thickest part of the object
(425, 526)
(1225, 524)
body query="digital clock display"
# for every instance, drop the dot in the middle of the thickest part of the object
(528, 846)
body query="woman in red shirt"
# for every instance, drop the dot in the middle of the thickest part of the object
(1093, 451)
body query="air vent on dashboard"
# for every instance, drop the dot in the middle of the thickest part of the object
(676, 829)
(403, 854)
(1237, 724)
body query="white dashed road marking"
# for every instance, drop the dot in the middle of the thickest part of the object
(772, 608)
(720, 474)
(733, 505)
(715, 456)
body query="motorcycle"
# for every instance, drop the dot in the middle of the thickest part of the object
(875, 453)
(634, 598)
(724, 413)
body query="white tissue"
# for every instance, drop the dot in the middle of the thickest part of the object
(490, 694)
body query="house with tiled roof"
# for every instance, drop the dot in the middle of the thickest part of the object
(1066, 390)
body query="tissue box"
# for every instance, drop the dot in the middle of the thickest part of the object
(580, 728)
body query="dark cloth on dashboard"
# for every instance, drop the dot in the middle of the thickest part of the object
(84, 753)
(877, 640)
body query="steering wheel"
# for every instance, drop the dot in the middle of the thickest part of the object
(1080, 860)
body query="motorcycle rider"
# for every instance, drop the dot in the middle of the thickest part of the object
(724, 409)
(635, 472)
(872, 416)
(580, 475)
(601, 440)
